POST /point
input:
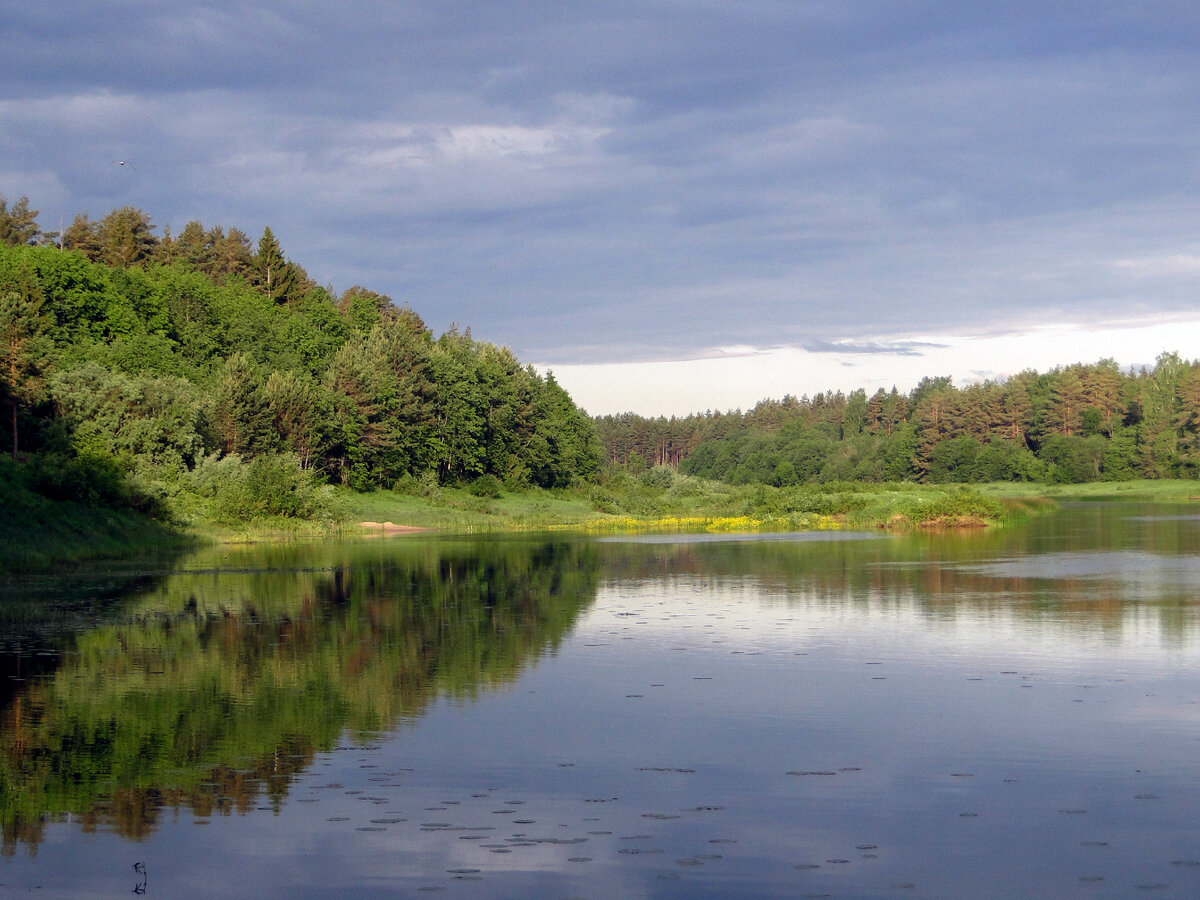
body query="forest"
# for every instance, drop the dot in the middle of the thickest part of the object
(1074, 424)
(201, 373)
(205, 378)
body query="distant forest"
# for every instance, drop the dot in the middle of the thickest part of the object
(161, 369)
(1077, 423)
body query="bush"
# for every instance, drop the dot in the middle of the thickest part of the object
(424, 485)
(603, 500)
(270, 485)
(487, 486)
(661, 477)
(96, 480)
(687, 486)
(962, 504)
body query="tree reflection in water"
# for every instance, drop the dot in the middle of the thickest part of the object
(219, 684)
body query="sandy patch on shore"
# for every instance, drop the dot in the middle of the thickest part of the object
(389, 527)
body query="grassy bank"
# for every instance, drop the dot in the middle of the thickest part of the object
(1156, 491)
(663, 500)
(37, 533)
(659, 500)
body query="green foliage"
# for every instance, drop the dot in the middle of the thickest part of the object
(1121, 454)
(962, 504)
(279, 279)
(1070, 459)
(164, 354)
(661, 477)
(155, 418)
(240, 413)
(273, 485)
(384, 423)
(1073, 424)
(93, 479)
(126, 237)
(487, 486)
(953, 460)
(18, 223)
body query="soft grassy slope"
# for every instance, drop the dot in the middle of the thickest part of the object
(37, 533)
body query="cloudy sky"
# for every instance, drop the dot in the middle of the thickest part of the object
(674, 204)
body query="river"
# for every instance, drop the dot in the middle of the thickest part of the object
(1004, 713)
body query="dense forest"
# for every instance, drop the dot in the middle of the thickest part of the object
(1074, 424)
(200, 371)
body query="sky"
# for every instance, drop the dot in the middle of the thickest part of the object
(675, 205)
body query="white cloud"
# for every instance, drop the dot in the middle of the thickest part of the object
(100, 110)
(724, 380)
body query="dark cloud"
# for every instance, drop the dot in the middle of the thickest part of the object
(619, 180)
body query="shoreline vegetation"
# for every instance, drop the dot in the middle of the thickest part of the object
(160, 390)
(40, 534)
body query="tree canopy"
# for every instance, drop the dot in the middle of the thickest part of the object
(1083, 422)
(170, 355)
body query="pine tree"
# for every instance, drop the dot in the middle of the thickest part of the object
(241, 413)
(126, 237)
(874, 414)
(1187, 418)
(276, 275)
(18, 223)
(1102, 390)
(1015, 410)
(300, 408)
(83, 236)
(1064, 414)
(230, 253)
(194, 247)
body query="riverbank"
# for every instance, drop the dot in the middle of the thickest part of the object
(661, 500)
(666, 501)
(1150, 491)
(40, 534)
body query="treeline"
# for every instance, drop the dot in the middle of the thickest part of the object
(201, 370)
(1073, 424)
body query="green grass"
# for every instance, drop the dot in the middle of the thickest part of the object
(450, 509)
(1165, 490)
(37, 533)
(665, 500)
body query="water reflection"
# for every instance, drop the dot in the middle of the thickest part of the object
(1087, 561)
(858, 716)
(222, 682)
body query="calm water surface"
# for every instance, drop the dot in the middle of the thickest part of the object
(1004, 714)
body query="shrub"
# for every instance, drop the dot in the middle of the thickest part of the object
(269, 485)
(661, 477)
(962, 504)
(97, 480)
(487, 486)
